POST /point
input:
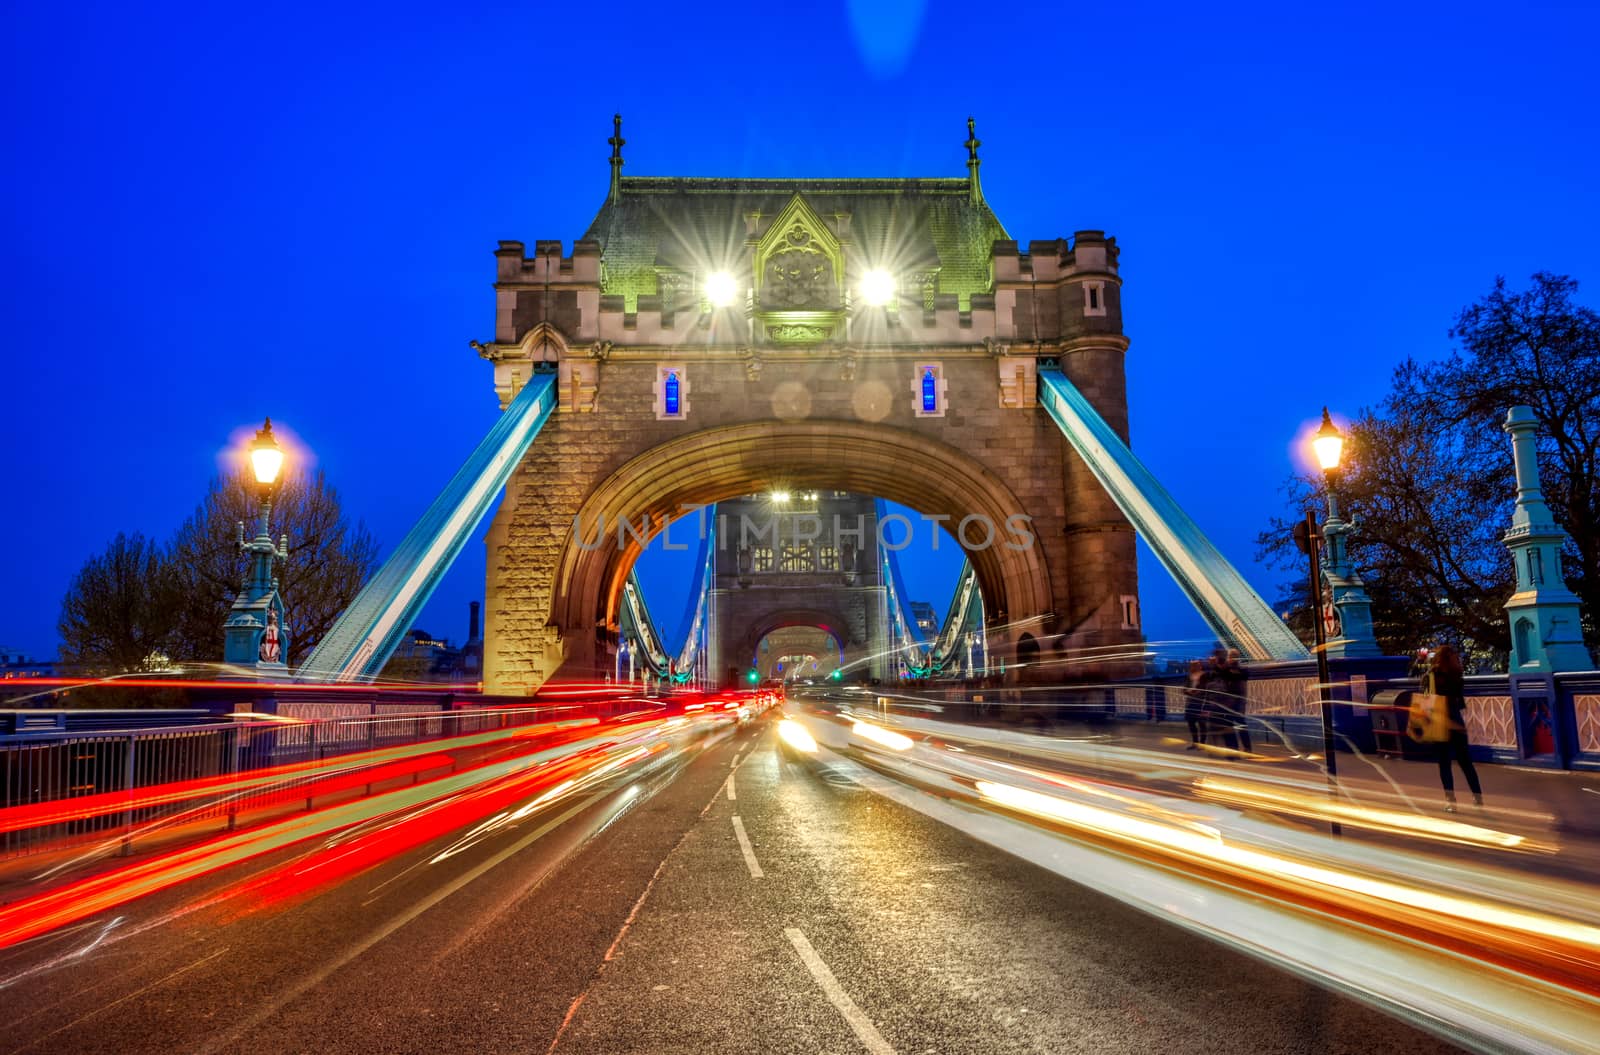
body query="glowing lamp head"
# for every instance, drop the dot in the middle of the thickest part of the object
(877, 287)
(721, 289)
(266, 457)
(780, 498)
(1328, 443)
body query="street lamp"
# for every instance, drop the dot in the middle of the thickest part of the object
(266, 458)
(256, 634)
(1329, 445)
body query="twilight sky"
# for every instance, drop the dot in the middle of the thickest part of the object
(216, 212)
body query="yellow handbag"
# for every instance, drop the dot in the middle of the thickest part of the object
(1429, 719)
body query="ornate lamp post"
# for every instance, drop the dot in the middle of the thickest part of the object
(256, 634)
(1329, 446)
(1346, 615)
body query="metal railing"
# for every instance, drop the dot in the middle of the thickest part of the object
(61, 791)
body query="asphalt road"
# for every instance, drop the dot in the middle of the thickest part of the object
(800, 913)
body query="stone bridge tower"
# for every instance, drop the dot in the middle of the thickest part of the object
(717, 338)
(799, 558)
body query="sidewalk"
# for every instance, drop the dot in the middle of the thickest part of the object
(1571, 799)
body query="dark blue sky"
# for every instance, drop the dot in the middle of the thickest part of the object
(215, 212)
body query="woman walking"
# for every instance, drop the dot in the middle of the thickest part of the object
(1194, 704)
(1448, 681)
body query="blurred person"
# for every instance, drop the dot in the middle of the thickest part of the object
(1233, 680)
(1194, 704)
(1219, 713)
(1449, 681)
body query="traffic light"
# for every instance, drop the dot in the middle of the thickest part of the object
(753, 677)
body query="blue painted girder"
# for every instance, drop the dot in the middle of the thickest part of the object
(367, 634)
(635, 617)
(965, 612)
(1234, 611)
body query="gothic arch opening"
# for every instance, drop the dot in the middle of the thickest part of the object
(723, 463)
(801, 646)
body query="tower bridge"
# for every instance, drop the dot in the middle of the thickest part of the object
(711, 339)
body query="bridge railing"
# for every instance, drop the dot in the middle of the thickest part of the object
(1543, 721)
(60, 790)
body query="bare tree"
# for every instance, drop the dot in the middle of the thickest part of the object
(329, 560)
(120, 612)
(1428, 472)
(1538, 348)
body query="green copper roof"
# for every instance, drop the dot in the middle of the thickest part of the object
(695, 225)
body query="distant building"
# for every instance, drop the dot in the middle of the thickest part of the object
(789, 559)
(16, 664)
(423, 657)
(926, 618)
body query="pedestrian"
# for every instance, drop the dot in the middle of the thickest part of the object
(1445, 678)
(1218, 711)
(1194, 705)
(1233, 678)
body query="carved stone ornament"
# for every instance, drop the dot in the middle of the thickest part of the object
(600, 350)
(580, 385)
(847, 365)
(752, 365)
(798, 332)
(492, 352)
(799, 278)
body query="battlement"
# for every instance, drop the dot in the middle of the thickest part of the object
(1088, 252)
(548, 264)
(643, 291)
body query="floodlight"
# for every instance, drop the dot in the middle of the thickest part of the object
(877, 287)
(721, 289)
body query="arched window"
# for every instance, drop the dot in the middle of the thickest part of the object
(671, 393)
(1525, 639)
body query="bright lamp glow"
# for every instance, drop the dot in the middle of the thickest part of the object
(1329, 444)
(877, 287)
(721, 289)
(266, 457)
(780, 498)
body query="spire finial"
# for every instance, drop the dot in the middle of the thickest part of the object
(974, 188)
(616, 142)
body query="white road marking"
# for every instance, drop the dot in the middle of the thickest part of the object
(859, 1023)
(577, 1001)
(735, 763)
(731, 795)
(748, 851)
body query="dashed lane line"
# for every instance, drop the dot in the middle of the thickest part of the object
(859, 1023)
(745, 848)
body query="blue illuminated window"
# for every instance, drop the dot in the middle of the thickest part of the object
(930, 391)
(672, 393)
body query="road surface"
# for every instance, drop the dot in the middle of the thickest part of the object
(734, 900)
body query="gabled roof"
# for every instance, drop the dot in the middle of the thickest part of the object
(697, 224)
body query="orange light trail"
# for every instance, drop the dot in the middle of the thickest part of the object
(61, 811)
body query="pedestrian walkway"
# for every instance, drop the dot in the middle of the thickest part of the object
(1571, 799)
